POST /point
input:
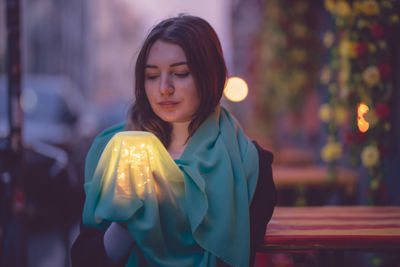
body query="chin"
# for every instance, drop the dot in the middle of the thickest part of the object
(173, 119)
(167, 118)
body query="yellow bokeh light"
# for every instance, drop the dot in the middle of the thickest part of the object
(362, 124)
(236, 89)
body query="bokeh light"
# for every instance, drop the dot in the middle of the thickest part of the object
(236, 89)
(362, 124)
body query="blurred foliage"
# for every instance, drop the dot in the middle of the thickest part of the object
(360, 71)
(289, 56)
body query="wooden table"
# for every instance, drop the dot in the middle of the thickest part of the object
(329, 231)
(334, 228)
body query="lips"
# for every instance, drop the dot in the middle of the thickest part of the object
(168, 104)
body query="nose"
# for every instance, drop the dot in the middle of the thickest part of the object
(166, 86)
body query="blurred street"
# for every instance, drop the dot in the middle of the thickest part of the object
(47, 248)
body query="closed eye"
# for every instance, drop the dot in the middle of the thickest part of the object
(182, 75)
(151, 77)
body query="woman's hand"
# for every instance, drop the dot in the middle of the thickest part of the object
(118, 242)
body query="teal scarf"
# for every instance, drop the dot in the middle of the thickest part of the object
(194, 212)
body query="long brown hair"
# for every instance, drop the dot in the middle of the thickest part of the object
(205, 60)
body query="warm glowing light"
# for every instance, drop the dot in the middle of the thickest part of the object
(123, 183)
(131, 167)
(134, 165)
(362, 124)
(236, 89)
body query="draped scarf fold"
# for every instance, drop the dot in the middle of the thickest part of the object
(189, 210)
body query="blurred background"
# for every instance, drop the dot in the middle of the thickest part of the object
(323, 82)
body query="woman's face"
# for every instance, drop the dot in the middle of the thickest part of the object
(169, 84)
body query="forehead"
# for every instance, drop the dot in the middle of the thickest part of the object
(162, 51)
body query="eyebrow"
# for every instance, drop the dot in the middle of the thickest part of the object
(172, 65)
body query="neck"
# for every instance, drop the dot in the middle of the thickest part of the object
(179, 136)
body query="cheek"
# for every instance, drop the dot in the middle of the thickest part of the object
(150, 98)
(194, 100)
(149, 93)
(192, 91)
(195, 95)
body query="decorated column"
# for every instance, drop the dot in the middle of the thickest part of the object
(359, 79)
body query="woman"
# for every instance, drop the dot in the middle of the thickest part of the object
(216, 212)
